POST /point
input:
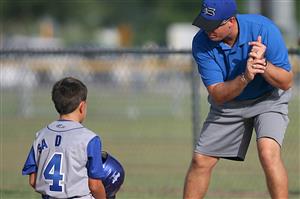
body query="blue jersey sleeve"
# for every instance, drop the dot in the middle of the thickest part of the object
(210, 71)
(94, 164)
(30, 164)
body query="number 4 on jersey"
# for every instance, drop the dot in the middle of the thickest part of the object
(53, 172)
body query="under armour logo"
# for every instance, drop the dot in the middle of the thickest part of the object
(115, 177)
(208, 11)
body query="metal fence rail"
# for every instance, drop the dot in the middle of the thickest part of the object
(98, 65)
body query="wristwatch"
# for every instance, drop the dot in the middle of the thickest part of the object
(244, 79)
(266, 63)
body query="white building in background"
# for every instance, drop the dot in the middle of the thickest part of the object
(180, 35)
(32, 42)
(45, 39)
(108, 37)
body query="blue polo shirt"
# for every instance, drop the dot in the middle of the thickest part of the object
(218, 62)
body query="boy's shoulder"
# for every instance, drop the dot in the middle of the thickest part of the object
(68, 128)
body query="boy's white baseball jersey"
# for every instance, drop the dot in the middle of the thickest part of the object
(63, 156)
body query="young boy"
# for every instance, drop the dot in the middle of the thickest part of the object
(65, 158)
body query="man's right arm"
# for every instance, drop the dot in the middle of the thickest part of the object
(228, 90)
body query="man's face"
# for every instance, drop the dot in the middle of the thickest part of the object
(221, 32)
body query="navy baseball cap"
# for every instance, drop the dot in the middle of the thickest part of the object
(214, 12)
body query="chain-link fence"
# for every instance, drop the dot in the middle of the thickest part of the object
(144, 104)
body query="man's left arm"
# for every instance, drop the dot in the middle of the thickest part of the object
(274, 75)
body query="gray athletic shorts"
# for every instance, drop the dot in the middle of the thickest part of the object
(227, 131)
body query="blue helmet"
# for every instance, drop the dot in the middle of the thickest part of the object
(114, 174)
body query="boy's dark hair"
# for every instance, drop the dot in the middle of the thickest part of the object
(67, 94)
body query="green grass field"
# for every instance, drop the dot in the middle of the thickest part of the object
(153, 144)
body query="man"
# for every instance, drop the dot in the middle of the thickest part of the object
(65, 159)
(243, 62)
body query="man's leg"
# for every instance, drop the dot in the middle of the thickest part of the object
(198, 176)
(275, 172)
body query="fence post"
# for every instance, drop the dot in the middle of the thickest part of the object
(195, 85)
(25, 90)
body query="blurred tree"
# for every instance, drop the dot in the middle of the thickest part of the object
(149, 19)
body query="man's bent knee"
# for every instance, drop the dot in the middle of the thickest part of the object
(269, 154)
(200, 161)
(269, 151)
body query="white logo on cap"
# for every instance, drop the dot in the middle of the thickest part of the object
(208, 11)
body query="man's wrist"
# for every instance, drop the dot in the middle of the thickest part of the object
(244, 78)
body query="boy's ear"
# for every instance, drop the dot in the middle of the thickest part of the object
(82, 106)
